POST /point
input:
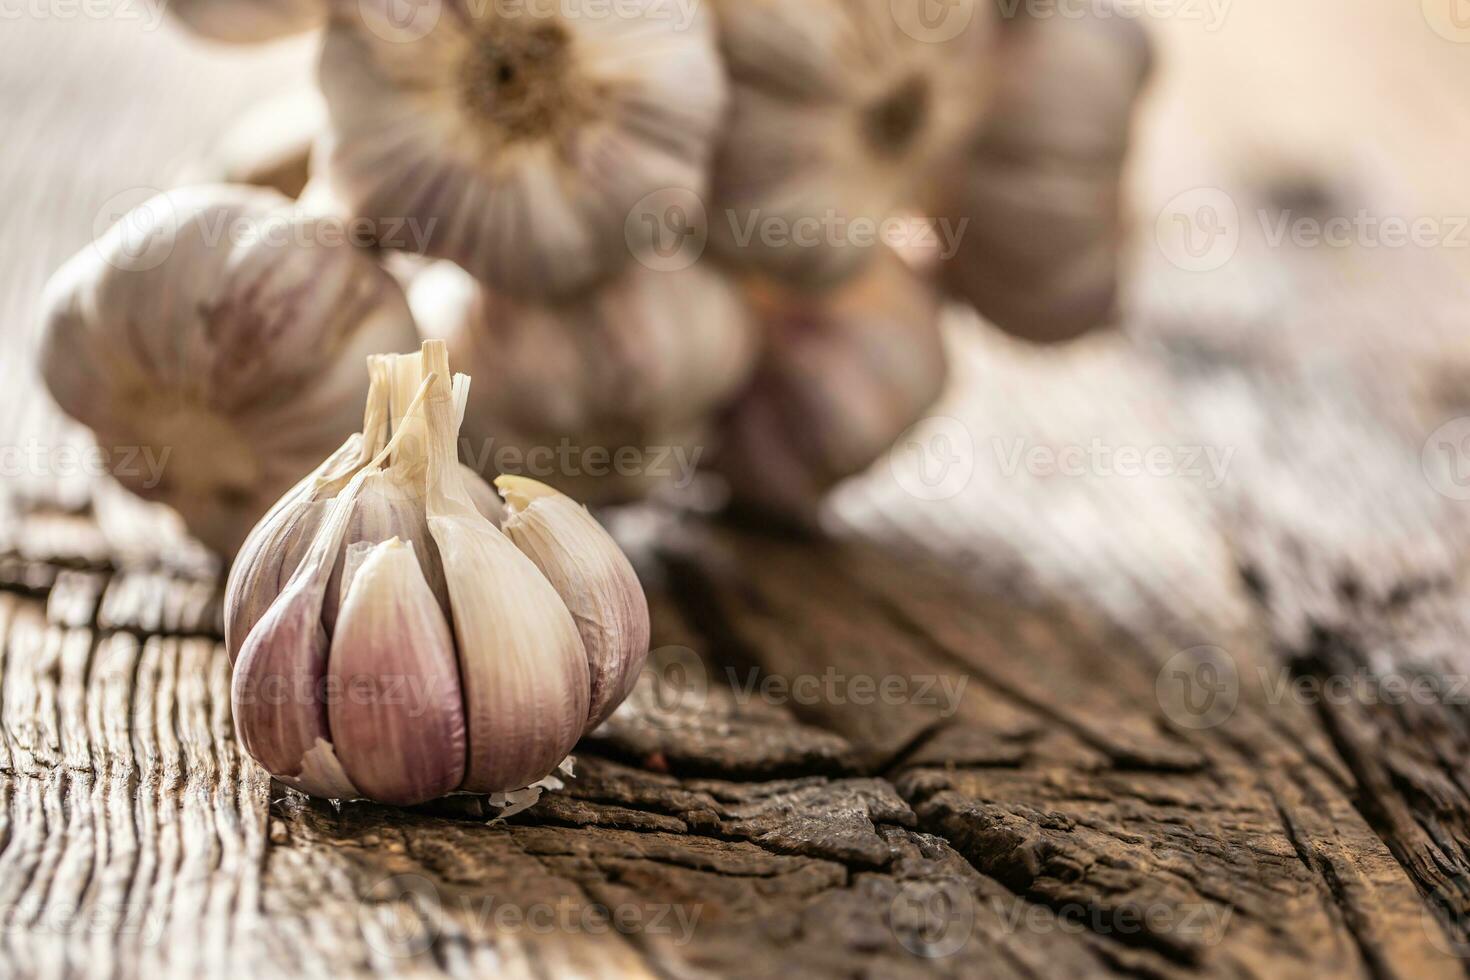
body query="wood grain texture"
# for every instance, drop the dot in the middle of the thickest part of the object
(1047, 788)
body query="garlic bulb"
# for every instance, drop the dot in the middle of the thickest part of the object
(844, 375)
(1039, 192)
(840, 110)
(220, 332)
(521, 137)
(248, 21)
(400, 696)
(633, 372)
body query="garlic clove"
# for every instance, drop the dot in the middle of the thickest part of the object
(387, 508)
(277, 694)
(522, 664)
(842, 112)
(594, 579)
(845, 373)
(396, 717)
(223, 332)
(1039, 192)
(519, 139)
(248, 21)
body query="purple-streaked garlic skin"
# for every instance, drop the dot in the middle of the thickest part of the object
(387, 508)
(277, 546)
(277, 694)
(594, 579)
(396, 713)
(522, 664)
(525, 679)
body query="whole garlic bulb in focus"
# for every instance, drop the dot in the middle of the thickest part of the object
(248, 21)
(224, 332)
(521, 138)
(1039, 192)
(840, 111)
(844, 375)
(398, 699)
(637, 367)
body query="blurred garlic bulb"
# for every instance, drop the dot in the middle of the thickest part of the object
(637, 367)
(270, 145)
(840, 110)
(843, 376)
(223, 332)
(520, 137)
(397, 698)
(1039, 191)
(248, 21)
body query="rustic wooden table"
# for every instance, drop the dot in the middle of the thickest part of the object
(1205, 719)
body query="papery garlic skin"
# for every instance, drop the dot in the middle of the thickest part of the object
(1040, 190)
(844, 375)
(518, 137)
(275, 548)
(841, 111)
(396, 716)
(525, 672)
(641, 364)
(248, 21)
(219, 326)
(594, 579)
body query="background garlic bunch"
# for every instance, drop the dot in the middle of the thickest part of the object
(660, 227)
(403, 646)
(220, 330)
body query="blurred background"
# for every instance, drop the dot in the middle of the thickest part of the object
(1264, 126)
